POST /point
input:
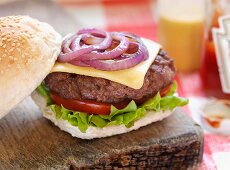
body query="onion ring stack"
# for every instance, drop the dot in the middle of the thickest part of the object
(103, 50)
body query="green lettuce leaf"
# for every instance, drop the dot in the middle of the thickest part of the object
(126, 116)
(42, 90)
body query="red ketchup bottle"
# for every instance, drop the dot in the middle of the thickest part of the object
(209, 68)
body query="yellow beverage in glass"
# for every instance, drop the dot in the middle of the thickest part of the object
(181, 31)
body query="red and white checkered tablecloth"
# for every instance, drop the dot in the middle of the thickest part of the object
(138, 16)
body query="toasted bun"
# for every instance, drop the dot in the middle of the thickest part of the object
(28, 50)
(95, 132)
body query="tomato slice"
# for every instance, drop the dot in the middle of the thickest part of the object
(165, 90)
(93, 107)
(87, 106)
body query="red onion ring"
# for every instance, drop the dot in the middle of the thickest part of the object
(71, 46)
(73, 42)
(66, 43)
(137, 39)
(117, 51)
(79, 63)
(92, 40)
(123, 62)
(104, 44)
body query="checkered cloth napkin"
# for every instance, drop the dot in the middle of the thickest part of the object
(217, 147)
(138, 16)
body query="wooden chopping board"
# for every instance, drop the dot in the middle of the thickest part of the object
(29, 141)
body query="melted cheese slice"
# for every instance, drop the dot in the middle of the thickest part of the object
(132, 77)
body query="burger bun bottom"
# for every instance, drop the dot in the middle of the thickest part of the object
(96, 132)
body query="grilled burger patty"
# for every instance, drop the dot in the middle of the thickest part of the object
(73, 86)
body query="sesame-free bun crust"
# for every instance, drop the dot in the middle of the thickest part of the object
(28, 50)
(96, 132)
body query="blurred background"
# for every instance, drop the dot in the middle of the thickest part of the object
(183, 27)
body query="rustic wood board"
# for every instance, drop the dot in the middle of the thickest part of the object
(29, 141)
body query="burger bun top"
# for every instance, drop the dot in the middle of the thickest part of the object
(28, 50)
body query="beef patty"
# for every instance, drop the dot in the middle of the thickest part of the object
(74, 86)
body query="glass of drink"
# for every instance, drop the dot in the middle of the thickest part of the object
(181, 30)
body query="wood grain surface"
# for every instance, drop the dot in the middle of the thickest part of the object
(29, 141)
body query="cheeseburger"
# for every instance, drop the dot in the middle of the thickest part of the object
(108, 83)
(92, 83)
